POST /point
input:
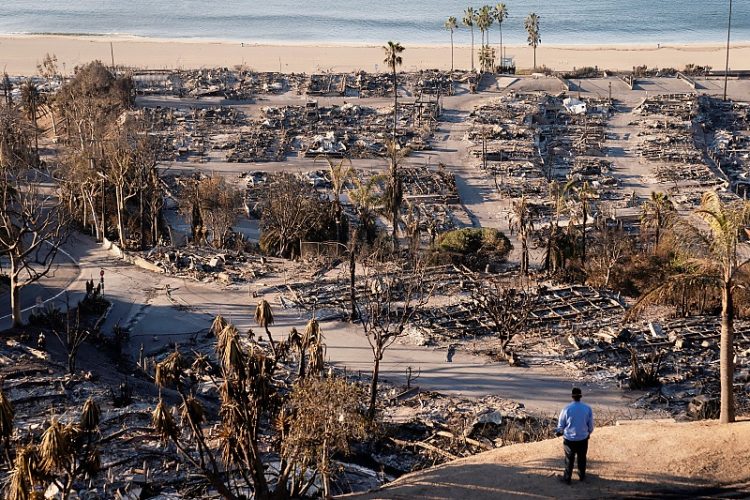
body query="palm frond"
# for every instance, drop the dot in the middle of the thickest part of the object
(263, 314)
(672, 286)
(163, 422)
(55, 448)
(90, 415)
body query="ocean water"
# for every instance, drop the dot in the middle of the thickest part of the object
(376, 21)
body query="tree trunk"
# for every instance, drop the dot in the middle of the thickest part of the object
(270, 340)
(502, 70)
(451, 55)
(726, 355)
(374, 386)
(583, 234)
(534, 57)
(352, 275)
(15, 297)
(395, 104)
(472, 48)
(302, 363)
(72, 362)
(120, 203)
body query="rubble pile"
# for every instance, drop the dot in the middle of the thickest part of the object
(333, 294)
(231, 84)
(423, 429)
(553, 307)
(431, 197)
(504, 139)
(184, 132)
(727, 126)
(688, 350)
(667, 138)
(205, 264)
(430, 82)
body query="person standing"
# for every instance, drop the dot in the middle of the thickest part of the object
(576, 423)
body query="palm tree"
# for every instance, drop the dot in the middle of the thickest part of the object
(451, 24)
(468, 21)
(395, 192)
(501, 13)
(393, 59)
(657, 213)
(485, 19)
(715, 264)
(30, 100)
(263, 318)
(523, 223)
(532, 28)
(583, 194)
(340, 173)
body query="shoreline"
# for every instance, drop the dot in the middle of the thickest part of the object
(19, 54)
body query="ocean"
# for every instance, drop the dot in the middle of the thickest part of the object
(416, 22)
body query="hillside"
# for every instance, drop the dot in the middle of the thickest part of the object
(638, 460)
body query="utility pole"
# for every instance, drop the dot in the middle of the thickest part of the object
(729, 32)
(112, 55)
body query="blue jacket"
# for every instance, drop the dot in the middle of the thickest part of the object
(576, 421)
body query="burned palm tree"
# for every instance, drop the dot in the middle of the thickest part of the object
(395, 189)
(340, 173)
(657, 214)
(26, 477)
(523, 217)
(264, 318)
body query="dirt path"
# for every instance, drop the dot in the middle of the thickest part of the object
(641, 460)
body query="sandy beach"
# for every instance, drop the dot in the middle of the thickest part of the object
(19, 55)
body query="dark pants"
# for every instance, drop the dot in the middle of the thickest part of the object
(573, 448)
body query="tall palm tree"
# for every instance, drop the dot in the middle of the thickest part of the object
(451, 25)
(532, 28)
(393, 60)
(485, 18)
(657, 213)
(501, 13)
(469, 19)
(715, 264)
(264, 317)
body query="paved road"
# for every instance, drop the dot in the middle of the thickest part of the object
(50, 289)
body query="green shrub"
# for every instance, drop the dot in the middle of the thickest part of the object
(474, 247)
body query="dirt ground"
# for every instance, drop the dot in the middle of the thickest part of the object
(647, 459)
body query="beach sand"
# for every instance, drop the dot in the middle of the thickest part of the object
(20, 54)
